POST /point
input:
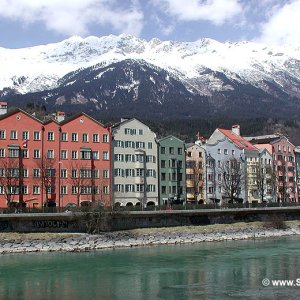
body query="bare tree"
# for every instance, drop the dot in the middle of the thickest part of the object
(47, 175)
(233, 175)
(79, 179)
(265, 180)
(198, 183)
(10, 178)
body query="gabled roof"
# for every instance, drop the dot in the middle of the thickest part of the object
(170, 137)
(238, 140)
(77, 116)
(19, 110)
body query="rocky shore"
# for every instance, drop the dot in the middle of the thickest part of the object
(46, 242)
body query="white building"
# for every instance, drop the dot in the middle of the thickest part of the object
(134, 164)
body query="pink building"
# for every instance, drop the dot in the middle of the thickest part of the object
(284, 163)
(58, 161)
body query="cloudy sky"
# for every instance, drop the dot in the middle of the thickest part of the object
(26, 23)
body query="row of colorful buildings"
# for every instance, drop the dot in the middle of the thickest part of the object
(79, 160)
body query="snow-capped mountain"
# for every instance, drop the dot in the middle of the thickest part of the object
(225, 74)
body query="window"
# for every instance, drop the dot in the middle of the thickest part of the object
(85, 154)
(219, 151)
(85, 137)
(13, 135)
(291, 158)
(36, 190)
(95, 138)
(105, 174)
(171, 150)
(13, 172)
(163, 189)
(119, 144)
(50, 154)
(200, 154)
(140, 131)
(86, 190)
(119, 157)
(163, 150)
(118, 188)
(63, 173)
(129, 157)
(189, 154)
(139, 158)
(74, 137)
(151, 173)
(50, 172)
(64, 136)
(105, 155)
(25, 135)
(129, 172)
(119, 172)
(74, 173)
(179, 151)
(163, 176)
(95, 154)
(140, 172)
(150, 188)
(210, 189)
(105, 138)
(63, 190)
(85, 173)
(140, 188)
(25, 173)
(74, 154)
(24, 189)
(36, 173)
(106, 189)
(279, 148)
(50, 189)
(63, 154)
(149, 145)
(226, 151)
(25, 153)
(163, 164)
(2, 134)
(13, 152)
(232, 152)
(50, 136)
(140, 145)
(75, 189)
(129, 188)
(36, 136)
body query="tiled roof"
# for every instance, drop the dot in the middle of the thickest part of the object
(237, 140)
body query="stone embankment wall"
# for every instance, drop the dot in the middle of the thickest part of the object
(111, 221)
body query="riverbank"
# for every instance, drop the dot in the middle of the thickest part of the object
(70, 242)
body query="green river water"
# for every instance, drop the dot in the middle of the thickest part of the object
(225, 270)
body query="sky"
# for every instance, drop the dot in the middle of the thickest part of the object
(25, 23)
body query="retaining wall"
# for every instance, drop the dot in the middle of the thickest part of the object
(81, 222)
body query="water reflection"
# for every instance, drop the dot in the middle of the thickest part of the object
(229, 270)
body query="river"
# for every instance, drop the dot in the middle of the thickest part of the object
(223, 270)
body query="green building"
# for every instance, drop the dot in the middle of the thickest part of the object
(172, 171)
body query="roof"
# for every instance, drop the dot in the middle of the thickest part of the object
(263, 139)
(171, 137)
(238, 140)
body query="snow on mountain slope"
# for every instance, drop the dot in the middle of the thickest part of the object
(194, 63)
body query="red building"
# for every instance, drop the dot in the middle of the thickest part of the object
(57, 161)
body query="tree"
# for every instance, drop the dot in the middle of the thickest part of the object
(265, 180)
(233, 176)
(80, 179)
(10, 178)
(47, 175)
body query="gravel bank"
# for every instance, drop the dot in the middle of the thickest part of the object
(44, 242)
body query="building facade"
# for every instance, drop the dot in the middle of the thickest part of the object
(284, 165)
(38, 159)
(195, 174)
(135, 164)
(172, 171)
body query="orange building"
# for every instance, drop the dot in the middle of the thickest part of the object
(57, 161)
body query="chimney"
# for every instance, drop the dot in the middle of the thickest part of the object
(60, 116)
(236, 129)
(3, 108)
